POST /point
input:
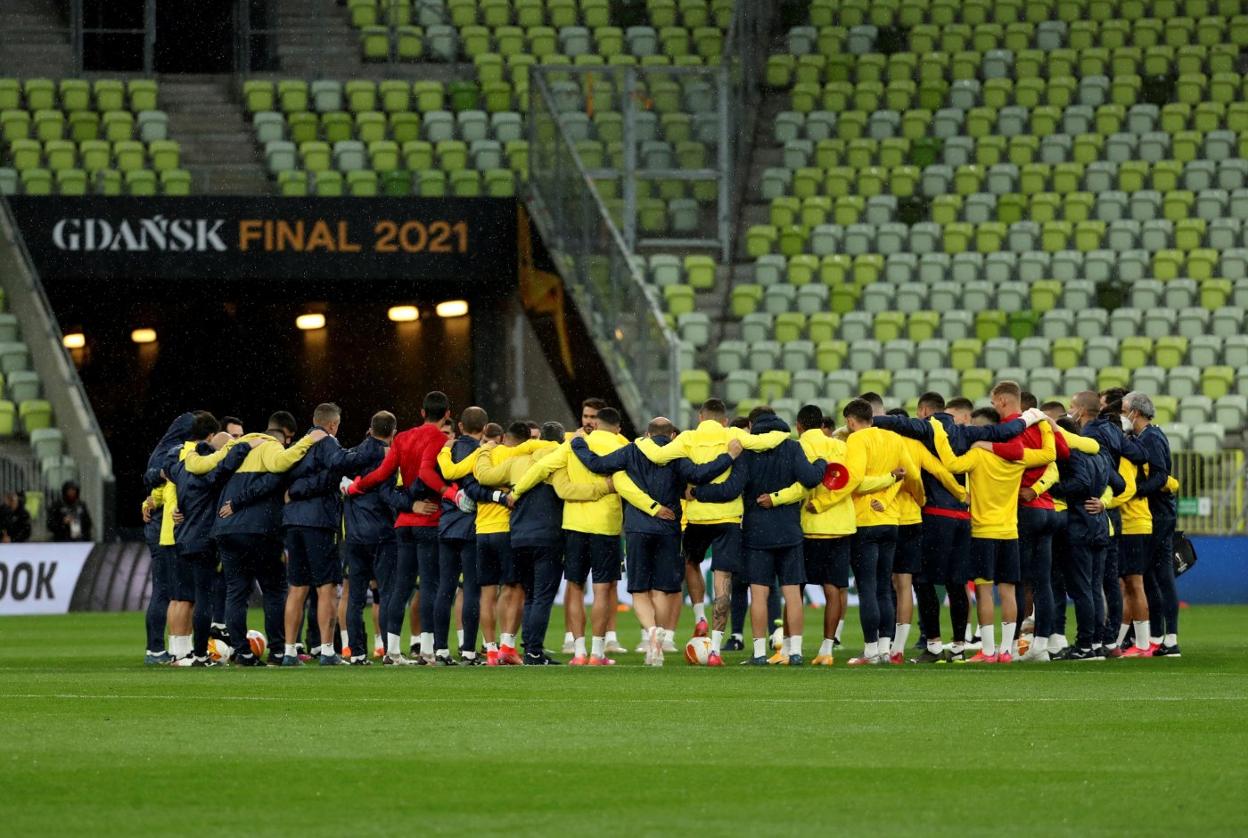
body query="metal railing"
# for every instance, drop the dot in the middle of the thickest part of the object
(622, 311)
(1211, 493)
(62, 387)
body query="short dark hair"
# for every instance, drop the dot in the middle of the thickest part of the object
(226, 421)
(1113, 397)
(829, 423)
(383, 424)
(742, 422)
(713, 409)
(553, 431)
(594, 402)
(473, 420)
(531, 425)
(519, 431)
(1067, 424)
(761, 410)
(492, 430)
(874, 399)
(959, 403)
(326, 412)
(436, 406)
(1053, 404)
(859, 409)
(810, 416)
(283, 420)
(989, 413)
(1028, 400)
(932, 400)
(204, 426)
(897, 411)
(660, 426)
(609, 416)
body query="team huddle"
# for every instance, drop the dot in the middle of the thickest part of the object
(472, 527)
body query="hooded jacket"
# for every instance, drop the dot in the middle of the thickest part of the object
(197, 496)
(764, 473)
(647, 487)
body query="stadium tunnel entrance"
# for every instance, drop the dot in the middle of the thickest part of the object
(165, 331)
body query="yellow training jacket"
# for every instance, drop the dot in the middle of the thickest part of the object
(994, 482)
(491, 466)
(170, 501)
(597, 517)
(1137, 518)
(823, 515)
(874, 452)
(702, 445)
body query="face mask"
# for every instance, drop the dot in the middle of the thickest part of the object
(1126, 423)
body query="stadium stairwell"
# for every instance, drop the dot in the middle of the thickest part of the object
(207, 121)
(82, 451)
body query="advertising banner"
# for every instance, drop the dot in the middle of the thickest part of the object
(436, 244)
(40, 578)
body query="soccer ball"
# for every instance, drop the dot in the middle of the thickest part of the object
(258, 642)
(219, 650)
(697, 650)
(1024, 643)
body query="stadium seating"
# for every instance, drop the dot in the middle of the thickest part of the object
(75, 137)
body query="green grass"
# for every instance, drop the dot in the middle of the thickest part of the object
(94, 742)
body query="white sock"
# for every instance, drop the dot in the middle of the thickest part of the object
(970, 633)
(468, 656)
(1039, 644)
(596, 649)
(491, 647)
(871, 650)
(885, 645)
(935, 647)
(567, 638)
(1007, 637)
(760, 646)
(988, 635)
(699, 612)
(900, 634)
(343, 636)
(738, 637)
(795, 644)
(459, 637)
(1155, 641)
(508, 640)
(1057, 642)
(579, 646)
(612, 638)
(1122, 633)
(957, 647)
(669, 635)
(825, 648)
(392, 644)
(840, 625)
(717, 638)
(1172, 639)
(1141, 634)
(444, 653)
(426, 642)
(291, 651)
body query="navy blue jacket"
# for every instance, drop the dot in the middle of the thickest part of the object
(165, 454)
(1157, 456)
(197, 498)
(537, 518)
(1114, 446)
(369, 517)
(318, 503)
(761, 473)
(1080, 478)
(454, 524)
(665, 484)
(257, 499)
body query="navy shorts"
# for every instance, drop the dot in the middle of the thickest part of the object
(494, 561)
(724, 542)
(312, 557)
(766, 566)
(585, 552)
(908, 557)
(654, 562)
(1135, 554)
(946, 545)
(996, 560)
(181, 578)
(827, 561)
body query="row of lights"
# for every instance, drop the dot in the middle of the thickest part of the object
(309, 322)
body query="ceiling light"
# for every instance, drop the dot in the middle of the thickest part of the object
(74, 340)
(143, 336)
(403, 314)
(310, 322)
(452, 308)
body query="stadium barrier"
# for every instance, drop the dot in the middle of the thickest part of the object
(1211, 497)
(41, 578)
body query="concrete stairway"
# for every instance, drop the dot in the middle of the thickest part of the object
(218, 147)
(34, 41)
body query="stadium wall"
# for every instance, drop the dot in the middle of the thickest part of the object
(1220, 574)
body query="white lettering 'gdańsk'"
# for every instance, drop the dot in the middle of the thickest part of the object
(171, 235)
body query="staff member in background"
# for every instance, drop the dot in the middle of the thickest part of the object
(14, 519)
(68, 518)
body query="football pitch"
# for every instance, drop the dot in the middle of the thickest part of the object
(96, 743)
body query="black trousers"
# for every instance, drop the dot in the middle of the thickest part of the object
(361, 571)
(457, 558)
(540, 570)
(417, 554)
(158, 603)
(1111, 588)
(1036, 531)
(872, 561)
(248, 560)
(1077, 563)
(1163, 596)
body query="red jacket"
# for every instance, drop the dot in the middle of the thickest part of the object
(414, 453)
(1012, 450)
